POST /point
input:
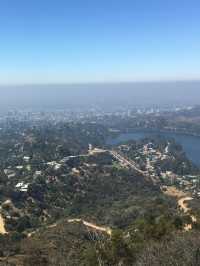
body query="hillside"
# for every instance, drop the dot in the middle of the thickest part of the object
(66, 202)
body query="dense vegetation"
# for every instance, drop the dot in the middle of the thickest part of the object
(48, 176)
(157, 243)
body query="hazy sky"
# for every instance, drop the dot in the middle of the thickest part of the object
(58, 41)
(102, 95)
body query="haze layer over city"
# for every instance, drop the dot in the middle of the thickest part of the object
(138, 94)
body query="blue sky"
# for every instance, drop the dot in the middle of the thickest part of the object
(64, 41)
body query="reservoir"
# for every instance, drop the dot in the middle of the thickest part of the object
(190, 144)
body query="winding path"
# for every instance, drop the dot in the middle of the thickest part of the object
(184, 207)
(93, 226)
(182, 199)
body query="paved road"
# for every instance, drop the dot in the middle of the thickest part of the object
(126, 162)
(130, 163)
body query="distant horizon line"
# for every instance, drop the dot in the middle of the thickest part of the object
(97, 82)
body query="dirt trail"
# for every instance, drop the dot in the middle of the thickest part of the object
(2, 226)
(182, 199)
(106, 230)
(174, 192)
(184, 206)
(95, 227)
